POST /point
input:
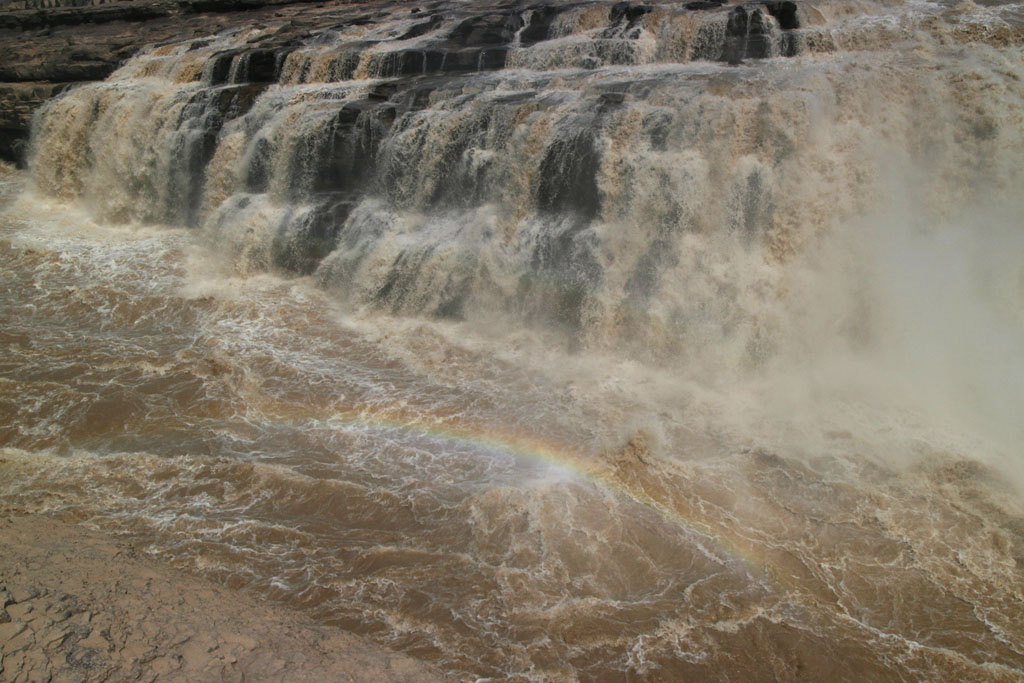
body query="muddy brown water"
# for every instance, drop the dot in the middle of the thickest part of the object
(246, 429)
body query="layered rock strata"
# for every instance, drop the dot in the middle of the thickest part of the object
(53, 45)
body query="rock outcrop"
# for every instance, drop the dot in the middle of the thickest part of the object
(54, 44)
(64, 616)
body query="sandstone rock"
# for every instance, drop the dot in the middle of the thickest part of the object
(95, 641)
(11, 630)
(21, 640)
(21, 611)
(13, 664)
(53, 639)
(22, 593)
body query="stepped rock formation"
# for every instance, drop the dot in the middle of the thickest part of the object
(336, 106)
(563, 163)
(53, 45)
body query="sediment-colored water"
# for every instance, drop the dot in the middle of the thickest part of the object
(615, 363)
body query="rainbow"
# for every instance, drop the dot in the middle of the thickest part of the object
(716, 543)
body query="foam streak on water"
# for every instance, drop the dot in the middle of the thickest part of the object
(615, 362)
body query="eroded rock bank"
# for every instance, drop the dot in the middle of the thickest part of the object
(77, 605)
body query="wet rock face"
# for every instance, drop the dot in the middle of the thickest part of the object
(17, 102)
(55, 44)
(490, 29)
(52, 45)
(568, 175)
(749, 34)
(34, 15)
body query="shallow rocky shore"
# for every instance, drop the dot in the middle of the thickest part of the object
(77, 605)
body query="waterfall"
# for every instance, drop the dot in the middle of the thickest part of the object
(608, 180)
(561, 341)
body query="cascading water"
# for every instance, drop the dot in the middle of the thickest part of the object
(553, 342)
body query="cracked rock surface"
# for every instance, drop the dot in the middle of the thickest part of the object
(77, 605)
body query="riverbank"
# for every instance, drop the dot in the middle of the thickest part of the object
(78, 605)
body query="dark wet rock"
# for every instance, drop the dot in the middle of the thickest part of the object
(610, 100)
(221, 5)
(421, 62)
(383, 91)
(301, 242)
(347, 157)
(424, 28)
(786, 12)
(17, 102)
(218, 69)
(259, 66)
(627, 11)
(538, 24)
(704, 4)
(407, 63)
(23, 20)
(567, 181)
(748, 34)
(54, 44)
(736, 35)
(195, 150)
(759, 34)
(613, 97)
(488, 29)
(55, 70)
(626, 21)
